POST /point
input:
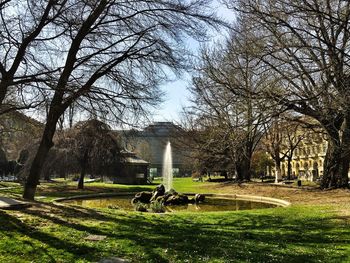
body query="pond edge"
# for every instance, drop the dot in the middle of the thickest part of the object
(262, 199)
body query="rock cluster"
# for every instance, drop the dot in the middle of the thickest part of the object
(170, 197)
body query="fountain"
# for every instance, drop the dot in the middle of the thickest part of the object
(165, 199)
(164, 194)
(168, 168)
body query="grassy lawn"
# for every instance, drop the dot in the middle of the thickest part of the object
(50, 233)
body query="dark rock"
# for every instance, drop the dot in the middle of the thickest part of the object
(158, 191)
(161, 199)
(141, 208)
(183, 199)
(198, 198)
(191, 200)
(171, 192)
(143, 197)
(177, 200)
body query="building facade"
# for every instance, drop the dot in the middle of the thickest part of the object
(150, 144)
(308, 156)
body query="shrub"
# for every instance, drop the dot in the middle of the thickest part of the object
(140, 207)
(196, 175)
(157, 207)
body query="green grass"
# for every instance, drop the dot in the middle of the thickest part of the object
(56, 233)
(57, 190)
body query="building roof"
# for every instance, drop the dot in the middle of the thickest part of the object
(162, 129)
(131, 158)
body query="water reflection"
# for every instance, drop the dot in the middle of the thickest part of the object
(210, 204)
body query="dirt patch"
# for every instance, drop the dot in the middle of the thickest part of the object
(297, 196)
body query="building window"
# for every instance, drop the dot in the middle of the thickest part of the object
(153, 172)
(176, 172)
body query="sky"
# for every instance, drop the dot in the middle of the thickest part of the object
(176, 92)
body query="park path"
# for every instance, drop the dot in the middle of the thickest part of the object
(9, 203)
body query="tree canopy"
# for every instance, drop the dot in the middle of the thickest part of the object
(109, 57)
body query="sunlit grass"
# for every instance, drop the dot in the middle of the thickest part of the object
(52, 233)
(295, 234)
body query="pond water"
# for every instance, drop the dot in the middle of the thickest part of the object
(210, 204)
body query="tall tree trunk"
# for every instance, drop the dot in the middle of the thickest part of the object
(83, 165)
(40, 157)
(289, 167)
(343, 181)
(278, 174)
(246, 168)
(81, 178)
(243, 165)
(278, 168)
(47, 175)
(71, 115)
(332, 163)
(239, 174)
(336, 164)
(277, 160)
(3, 91)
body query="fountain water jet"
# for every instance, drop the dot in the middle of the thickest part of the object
(161, 196)
(168, 168)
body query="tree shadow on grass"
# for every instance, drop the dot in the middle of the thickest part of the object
(77, 219)
(22, 238)
(67, 191)
(230, 242)
(227, 237)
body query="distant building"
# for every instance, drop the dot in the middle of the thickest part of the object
(150, 144)
(16, 131)
(308, 157)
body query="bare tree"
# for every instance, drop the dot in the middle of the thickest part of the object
(208, 145)
(306, 44)
(280, 140)
(90, 147)
(95, 148)
(113, 57)
(227, 91)
(25, 26)
(261, 162)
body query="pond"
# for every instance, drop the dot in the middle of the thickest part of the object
(211, 204)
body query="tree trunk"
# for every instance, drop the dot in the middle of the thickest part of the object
(289, 167)
(40, 157)
(37, 164)
(81, 178)
(243, 168)
(47, 176)
(246, 168)
(239, 172)
(332, 165)
(3, 91)
(336, 164)
(278, 168)
(83, 165)
(344, 177)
